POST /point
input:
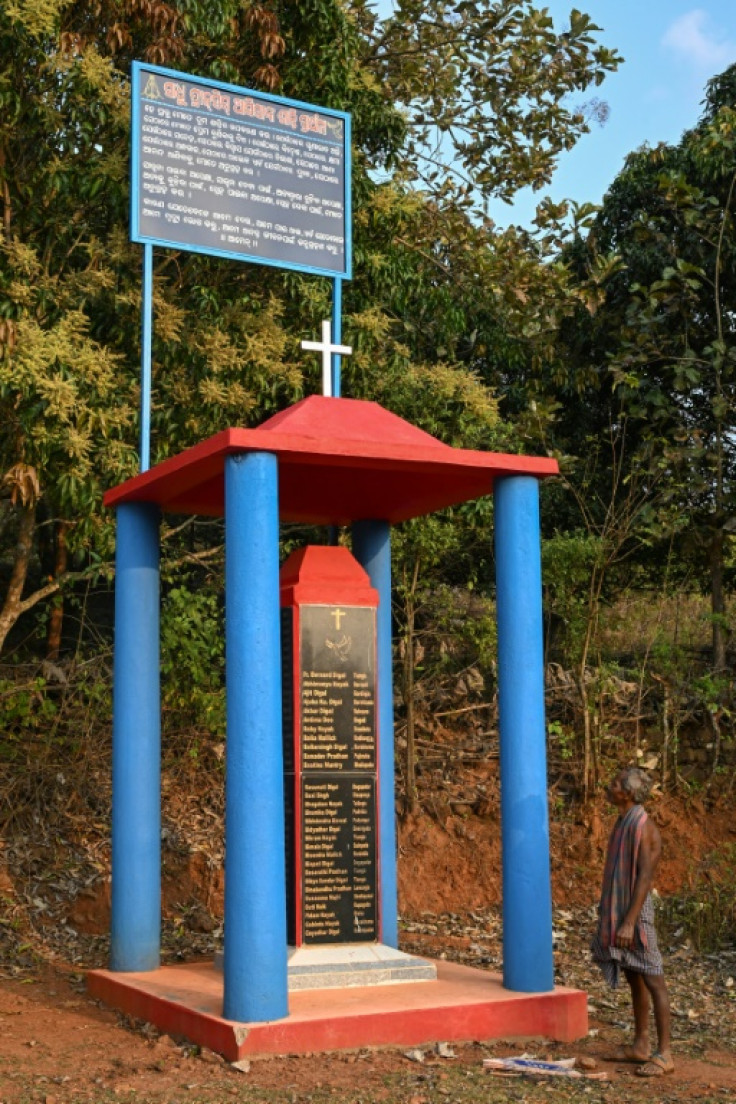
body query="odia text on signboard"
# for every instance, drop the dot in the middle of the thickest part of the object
(220, 169)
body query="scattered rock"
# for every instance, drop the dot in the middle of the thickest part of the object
(585, 1062)
(210, 1057)
(200, 920)
(165, 1042)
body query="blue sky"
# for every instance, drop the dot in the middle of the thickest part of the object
(671, 48)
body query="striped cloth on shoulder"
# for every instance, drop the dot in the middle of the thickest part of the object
(619, 879)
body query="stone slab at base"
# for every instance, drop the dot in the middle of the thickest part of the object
(345, 965)
(463, 1004)
(341, 966)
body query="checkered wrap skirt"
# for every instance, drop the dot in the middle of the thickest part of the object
(641, 961)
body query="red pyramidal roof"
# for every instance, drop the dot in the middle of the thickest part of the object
(340, 460)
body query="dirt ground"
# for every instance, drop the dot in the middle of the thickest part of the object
(58, 1046)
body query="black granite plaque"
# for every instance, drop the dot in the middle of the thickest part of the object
(290, 858)
(287, 728)
(330, 764)
(287, 686)
(339, 859)
(337, 700)
(338, 759)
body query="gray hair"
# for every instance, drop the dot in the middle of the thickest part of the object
(636, 783)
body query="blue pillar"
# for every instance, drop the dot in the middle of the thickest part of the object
(527, 900)
(255, 952)
(372, 549)
(135, 928)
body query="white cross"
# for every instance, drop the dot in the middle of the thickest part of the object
(326, 347)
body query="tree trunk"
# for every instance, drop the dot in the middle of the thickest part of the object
(587, 736)
(715, 724)
(56, 621)
(665, 735)
(411, 752)
(13, 605)
(590, 768)
(408, 693)
(717, 601)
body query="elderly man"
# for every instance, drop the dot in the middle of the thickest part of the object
(626, 939)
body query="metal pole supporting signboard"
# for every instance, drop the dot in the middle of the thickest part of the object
(336, 334)
(146, 337)
(230, 172)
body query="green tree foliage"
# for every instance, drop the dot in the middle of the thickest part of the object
(665, 338)
(486, 89)
(437, 299)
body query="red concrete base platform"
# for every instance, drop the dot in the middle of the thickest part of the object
(462, 1004)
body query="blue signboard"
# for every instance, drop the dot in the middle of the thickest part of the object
(222, 170)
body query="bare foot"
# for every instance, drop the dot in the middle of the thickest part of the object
(632, 1053)
(657, 1066)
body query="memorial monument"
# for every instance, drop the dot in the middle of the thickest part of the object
(328, 636)
(310, 832)
(331, 790)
